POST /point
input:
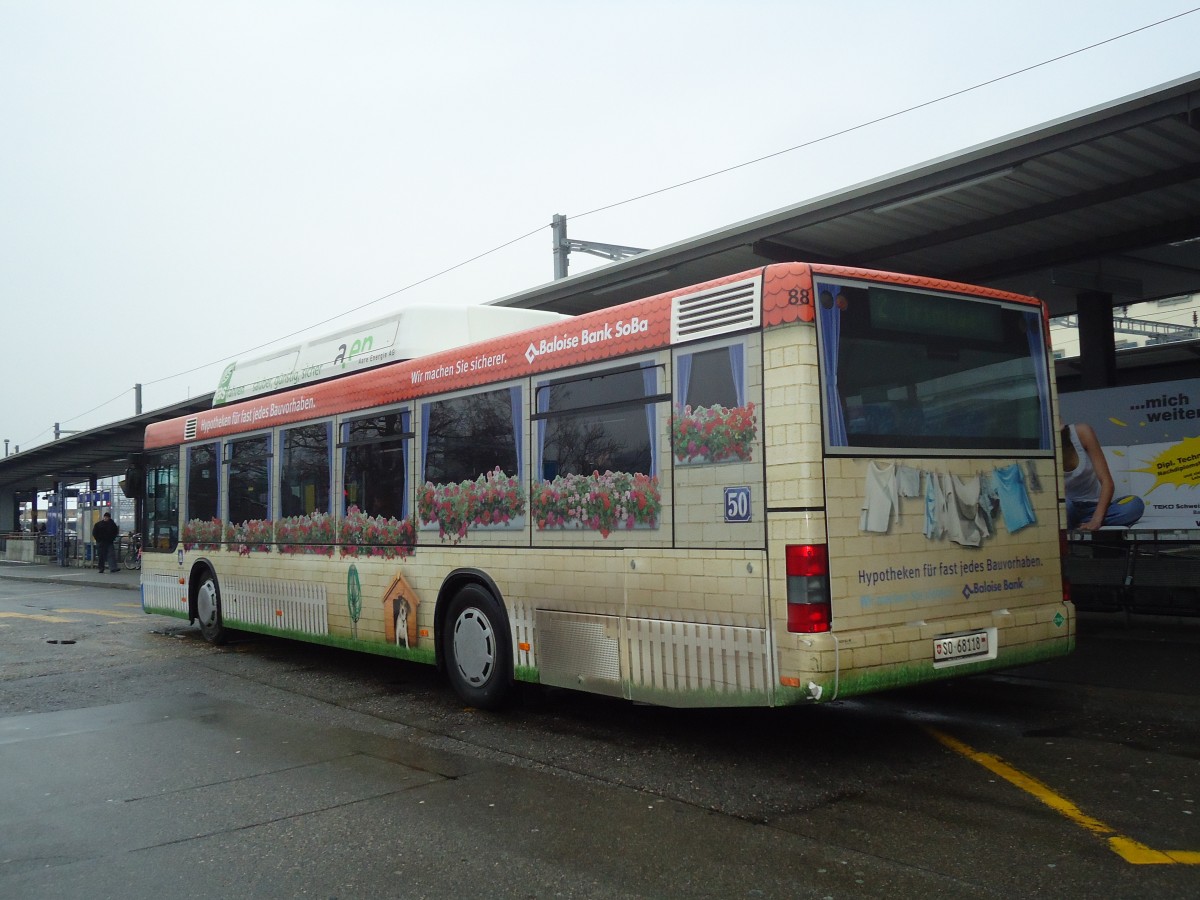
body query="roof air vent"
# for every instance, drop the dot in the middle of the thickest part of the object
(730, 307)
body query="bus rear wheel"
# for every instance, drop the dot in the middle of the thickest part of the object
(208, 610)
(477, 648)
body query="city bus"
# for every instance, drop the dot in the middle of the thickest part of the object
(789, 485)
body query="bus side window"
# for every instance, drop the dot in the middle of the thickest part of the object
(248, 477)
(468, 436)
(304, 470)
(598, 422)
(375, 464)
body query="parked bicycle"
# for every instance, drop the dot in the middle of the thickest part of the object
(131, 557)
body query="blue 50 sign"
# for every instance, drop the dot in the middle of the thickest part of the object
(737, 504)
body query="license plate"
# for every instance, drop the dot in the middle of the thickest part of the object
(956, 648)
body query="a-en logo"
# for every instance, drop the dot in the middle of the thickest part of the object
(359, 346)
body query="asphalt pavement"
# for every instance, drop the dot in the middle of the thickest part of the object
(205, 785)
(201, 779)
(77, 576)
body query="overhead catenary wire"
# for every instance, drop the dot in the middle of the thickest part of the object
(888, 116)
(81, 415)
(407, 287)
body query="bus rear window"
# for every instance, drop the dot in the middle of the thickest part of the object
(931, 373)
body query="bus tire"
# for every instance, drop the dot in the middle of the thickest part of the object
(208, 609)
(477, 648)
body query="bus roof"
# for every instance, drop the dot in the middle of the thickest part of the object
(763, 296)
(413, 331)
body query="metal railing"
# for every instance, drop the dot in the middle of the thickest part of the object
(1134, 572)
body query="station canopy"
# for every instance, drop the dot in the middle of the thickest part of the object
(1106, 200)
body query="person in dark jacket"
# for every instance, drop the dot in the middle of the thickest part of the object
(104, 533)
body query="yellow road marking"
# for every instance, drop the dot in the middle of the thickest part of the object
(1128, 849)
(58, 619)
(34, 616)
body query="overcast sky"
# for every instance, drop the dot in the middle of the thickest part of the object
(182, 183)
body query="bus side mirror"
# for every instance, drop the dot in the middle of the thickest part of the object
(134, 483)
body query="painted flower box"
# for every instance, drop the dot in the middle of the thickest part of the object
(600, 502)
(203, 534)
(491, 500)
(252, 536)
(305, 534)
(712, 434)
(379, 536)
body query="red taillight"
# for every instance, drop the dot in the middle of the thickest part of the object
(807, 560)
(808, 607)
(808, 618)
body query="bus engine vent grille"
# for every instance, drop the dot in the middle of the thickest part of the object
(579, 651)
(190, 429)
(730, 307)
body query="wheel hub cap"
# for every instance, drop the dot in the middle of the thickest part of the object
(474, 647)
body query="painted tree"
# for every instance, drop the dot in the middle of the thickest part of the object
(353, 599)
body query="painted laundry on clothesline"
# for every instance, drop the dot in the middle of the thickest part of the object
(1034, 483)
(935, 508)
(908, 480)
(1014, 499)
(962, 509)
(880, 498)
(963, 524)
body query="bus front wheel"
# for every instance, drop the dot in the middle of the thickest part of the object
(208, 610)
(477, 648)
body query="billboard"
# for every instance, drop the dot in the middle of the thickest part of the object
(1151, 438)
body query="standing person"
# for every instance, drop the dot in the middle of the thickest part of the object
(1089, 484)
(104, 533)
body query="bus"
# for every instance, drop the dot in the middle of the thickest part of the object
(785, 486)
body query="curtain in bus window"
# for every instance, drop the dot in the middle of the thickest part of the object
(514, 398)
(1037, 350)
(650, 385)
(683, 378)
(403, 475)
(542, 401)
(737, 366)
(831, 340)
(425, 411)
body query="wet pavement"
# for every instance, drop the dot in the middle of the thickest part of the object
(69, 575)
(141, 762)
(195, 792)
